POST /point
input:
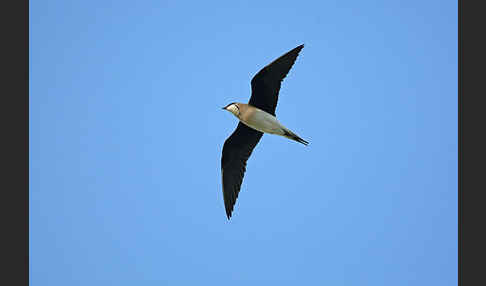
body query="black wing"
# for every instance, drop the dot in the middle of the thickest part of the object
(236, 151)
(265, 85)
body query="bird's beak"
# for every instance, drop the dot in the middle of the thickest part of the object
(223, 108)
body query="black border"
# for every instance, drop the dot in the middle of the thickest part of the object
(472, 143)
(15, 142)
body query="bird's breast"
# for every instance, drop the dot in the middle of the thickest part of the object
(261, 121)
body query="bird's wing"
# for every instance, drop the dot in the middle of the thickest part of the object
(265, 85)
(236, 151)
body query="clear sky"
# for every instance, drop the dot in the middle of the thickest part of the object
(126, 133)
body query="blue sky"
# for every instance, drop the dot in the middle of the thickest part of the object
(126, 132)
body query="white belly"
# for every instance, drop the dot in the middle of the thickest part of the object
(264, 122)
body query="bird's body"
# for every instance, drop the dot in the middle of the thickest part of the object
(262, 121)
(256, 118)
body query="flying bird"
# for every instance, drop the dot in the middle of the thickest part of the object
(255, 118)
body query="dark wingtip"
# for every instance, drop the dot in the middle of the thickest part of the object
(228, 210)
(297, 49)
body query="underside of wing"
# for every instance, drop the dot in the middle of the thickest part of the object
(265, 85)
(236, 151)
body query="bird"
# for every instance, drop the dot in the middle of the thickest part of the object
(255, 118)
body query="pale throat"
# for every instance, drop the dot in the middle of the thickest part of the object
(235, 111)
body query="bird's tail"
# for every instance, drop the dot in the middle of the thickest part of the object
(292, 136)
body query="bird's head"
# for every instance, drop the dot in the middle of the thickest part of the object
(233, 108)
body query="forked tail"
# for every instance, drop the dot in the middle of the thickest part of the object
(289, 134)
